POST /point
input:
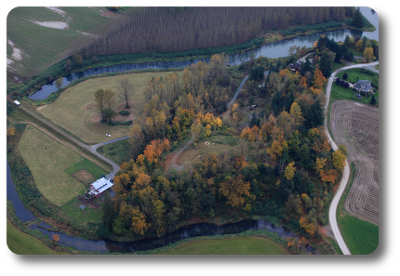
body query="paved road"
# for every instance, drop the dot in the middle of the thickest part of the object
(346, 170)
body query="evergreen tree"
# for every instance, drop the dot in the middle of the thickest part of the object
(373, 100)
(306, 67)
(108, 212)
(314, 115)
(277, 103)
(325, 65)
(289, 99)
(357, 19)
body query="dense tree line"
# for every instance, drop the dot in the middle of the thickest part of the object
(162, 29)
(291, 176)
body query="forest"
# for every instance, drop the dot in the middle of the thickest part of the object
(291, 177)
(174, 29)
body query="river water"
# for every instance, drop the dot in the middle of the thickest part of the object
(272, 50)
(201, 229)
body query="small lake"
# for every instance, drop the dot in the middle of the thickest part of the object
(105, 245)
(272, 50)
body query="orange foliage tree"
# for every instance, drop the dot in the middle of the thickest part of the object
(234, 189)
(155, 149)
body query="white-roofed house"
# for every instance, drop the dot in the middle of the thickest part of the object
(98, 187)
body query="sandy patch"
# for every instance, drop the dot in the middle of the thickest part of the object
(16, 53)
(56, 10)
(90, 106)
(41, 107)
(53, 24)
(83, 176)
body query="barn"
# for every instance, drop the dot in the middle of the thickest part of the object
(98, 187)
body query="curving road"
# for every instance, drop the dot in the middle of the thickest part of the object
(346, 170)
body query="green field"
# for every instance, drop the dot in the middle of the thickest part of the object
(75, 109)
(48, 161)
(23, 244)
(91, 171)
(231, 246)
(42, 46)
(361, 237)
(118, 152)
(89, 214)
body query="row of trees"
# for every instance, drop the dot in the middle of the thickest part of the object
(162, 29)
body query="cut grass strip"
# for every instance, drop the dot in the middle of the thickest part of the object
(23, 244)
(88, 214)
(231, 246)
(47, 159)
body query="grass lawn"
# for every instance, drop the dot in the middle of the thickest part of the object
(89, 214)
(232, 246)
(85, 171)
(48, 161)
(361, 237)
(21, 243)
(75, 109)
(118, 152)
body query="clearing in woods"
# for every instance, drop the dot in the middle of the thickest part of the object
(356, 126)
(75, 109)
(231, 246)
(49, 162)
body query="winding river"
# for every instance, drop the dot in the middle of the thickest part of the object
(272, 50)
(277, 49)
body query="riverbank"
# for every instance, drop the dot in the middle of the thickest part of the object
(57, 70)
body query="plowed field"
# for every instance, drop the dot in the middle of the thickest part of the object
(356, 126)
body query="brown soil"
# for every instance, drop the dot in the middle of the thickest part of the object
(89, 202)
(83, 176)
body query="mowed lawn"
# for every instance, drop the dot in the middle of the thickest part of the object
(361, 237)
(232, 246)
(23, 244)
(76, 112)
(47, 159)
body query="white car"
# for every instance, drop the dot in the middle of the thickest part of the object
(17, 102)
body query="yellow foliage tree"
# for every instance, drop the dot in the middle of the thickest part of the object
(368, 53)
(339, 160)
(289, 171)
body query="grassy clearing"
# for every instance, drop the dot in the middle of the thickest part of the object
(21, 243)
(215, 144)
(89, 214)
(29, 36)
(118, 152)
(75, 109)
(48, 160)
(361, 237)
(232, 246)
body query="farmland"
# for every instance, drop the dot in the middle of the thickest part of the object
(23, 244)
(40, 46)
(232, 246)
(356, 126)
(51, 164)
(75, 109)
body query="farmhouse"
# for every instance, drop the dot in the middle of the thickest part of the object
(363, 86)
(295, 66)
(98, 187)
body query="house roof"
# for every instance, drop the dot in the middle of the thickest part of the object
(362, 83)
(102, 184)
(295, 65)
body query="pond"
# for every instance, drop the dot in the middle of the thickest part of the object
(272, 50)
(105, 245)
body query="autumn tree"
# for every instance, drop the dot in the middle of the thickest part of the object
(99, 97)
(11, 131)
(155, 149)
(55, 238)
(368, 53)
(126, 90)
(339, 160)
(139, 225)
(289, 171)
(235, 189)
(78, 60)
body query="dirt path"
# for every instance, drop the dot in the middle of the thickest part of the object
(175, 157)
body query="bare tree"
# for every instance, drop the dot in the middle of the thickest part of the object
(126, 90)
